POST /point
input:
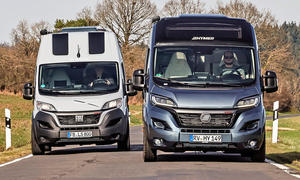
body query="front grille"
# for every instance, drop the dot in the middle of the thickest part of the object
(206, 131)
(217, 119)
(78, 128)
(65, 119)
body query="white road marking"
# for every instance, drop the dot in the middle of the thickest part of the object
(16, 160)
(283, 167)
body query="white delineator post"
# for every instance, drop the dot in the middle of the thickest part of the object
(8, 128)
(275, 122)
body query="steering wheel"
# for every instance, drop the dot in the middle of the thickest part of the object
(234, 74)
(100, 83)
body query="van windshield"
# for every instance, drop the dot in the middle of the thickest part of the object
(204, 66)
(79, 78)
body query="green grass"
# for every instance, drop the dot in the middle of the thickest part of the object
(287, 150)
(135, 115)
(20, 111)
(270, 113)
(20, 120)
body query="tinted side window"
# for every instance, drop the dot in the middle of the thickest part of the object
(96, 43)
(60, 45)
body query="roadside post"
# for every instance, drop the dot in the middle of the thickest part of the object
(8, 128)
(275, 122)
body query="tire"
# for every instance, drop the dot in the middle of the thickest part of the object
(125, 144)
(150, 155)
(36, 149)
(260, 155)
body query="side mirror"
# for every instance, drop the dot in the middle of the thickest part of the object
(270, 82)
(130, 91)
(138, 79)
(28, 91)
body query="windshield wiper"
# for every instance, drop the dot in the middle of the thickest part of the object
(204, 84)
(225, 84)
(52, 91)
(172, 82)
(95, 91)
(72, 92)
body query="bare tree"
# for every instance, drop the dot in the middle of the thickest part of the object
(86, 14)
(27, 38)
(21, 37)
(246, 10)
(35, 36)
(177, 7)
(37, 27)
(128, 19)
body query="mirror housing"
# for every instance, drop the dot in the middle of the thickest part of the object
(130, 91)
(28, 91)
(270, 82)
(138, 79)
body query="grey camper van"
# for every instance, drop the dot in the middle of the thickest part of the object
(203, 88)
(79, 92)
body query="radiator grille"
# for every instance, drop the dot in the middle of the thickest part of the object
(214, 120)
(71, 119)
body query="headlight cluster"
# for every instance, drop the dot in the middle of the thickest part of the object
(42, 106)
(113, 104)
(248, 102)
(162, 101)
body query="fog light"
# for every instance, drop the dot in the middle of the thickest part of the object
(159, 124)
(158, 142)
(252, 143)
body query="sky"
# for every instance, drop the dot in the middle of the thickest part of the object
(13, 11)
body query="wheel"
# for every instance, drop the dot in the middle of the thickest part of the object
(36, 149)
(125, 144)
(260, 155)
(149, 154)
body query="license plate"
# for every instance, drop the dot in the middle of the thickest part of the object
(82, 134)
(206, 138)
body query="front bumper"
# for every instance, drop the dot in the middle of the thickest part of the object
(178, 138)
(112, 128)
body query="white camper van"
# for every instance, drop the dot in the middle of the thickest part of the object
(79, 92)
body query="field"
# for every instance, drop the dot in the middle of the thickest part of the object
(286, 151)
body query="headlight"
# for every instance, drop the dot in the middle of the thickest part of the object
(162, 101)
(113, 104)
(248, 102)
(41, 106)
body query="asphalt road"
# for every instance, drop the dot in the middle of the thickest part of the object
(105, 162)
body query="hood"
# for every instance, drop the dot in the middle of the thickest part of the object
(208, 98)
(78, 103)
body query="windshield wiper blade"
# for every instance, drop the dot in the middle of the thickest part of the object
(95, 91)
(226, 84)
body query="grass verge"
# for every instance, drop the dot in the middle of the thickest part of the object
(287, 150)
(20, 125)
(135, 115)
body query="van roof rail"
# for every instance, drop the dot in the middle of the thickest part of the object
(83, 29)
(203, 15)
